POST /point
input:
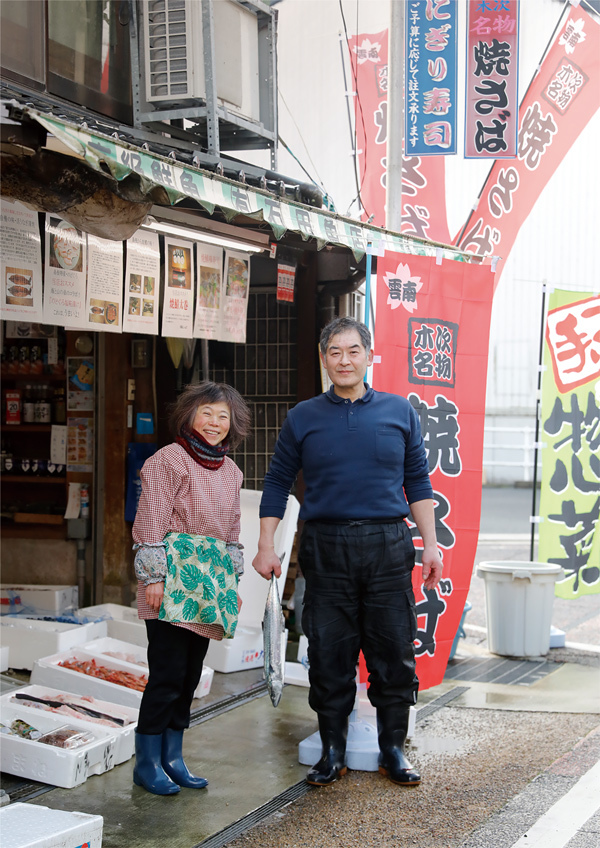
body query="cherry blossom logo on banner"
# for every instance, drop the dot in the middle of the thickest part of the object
(403, 288)
(368, 52)
(573, 34)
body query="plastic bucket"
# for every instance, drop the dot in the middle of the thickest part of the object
(518, 601)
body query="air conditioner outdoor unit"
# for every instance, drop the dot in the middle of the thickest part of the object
(174, 54)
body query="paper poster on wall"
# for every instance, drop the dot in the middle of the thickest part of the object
(142, 279)
(208, 322)
(65, 267)
(21, 263)
(80, 383)
(178, 303)
(104, 284)
(80, 444)
(235, 290)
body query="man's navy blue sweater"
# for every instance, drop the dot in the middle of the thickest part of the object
(359, 460)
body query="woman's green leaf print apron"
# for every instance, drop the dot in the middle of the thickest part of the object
(201, 584)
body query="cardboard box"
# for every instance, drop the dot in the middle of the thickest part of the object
(29, 638)
(30, 759)
(33, 826)
(124, 736)
(30, 599)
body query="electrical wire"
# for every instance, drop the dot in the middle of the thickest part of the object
(359, 181)
(303, 142)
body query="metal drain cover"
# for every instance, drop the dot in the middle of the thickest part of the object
(499, 670)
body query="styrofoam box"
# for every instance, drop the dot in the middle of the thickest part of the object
(4, 658)
(31, 638)
(48, 672)
(136, 657)
(121, 622)
(37, 599)
(33, 760)
(33, 826)
(245, 650)
(124, 736)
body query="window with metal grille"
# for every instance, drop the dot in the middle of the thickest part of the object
(264, 371)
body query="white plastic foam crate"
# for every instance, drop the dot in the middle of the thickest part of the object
(124, 736)
(48, 672)
(29, 638)
(136, 657)
(33, 760)
(4, 658)
(33, 826)
(121, 622)
(245, 650)
(37, 600)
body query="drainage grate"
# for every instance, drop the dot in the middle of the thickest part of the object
(498, 670)
(439, 702)
(232, 831)
(226, 704)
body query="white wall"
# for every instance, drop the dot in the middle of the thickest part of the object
(558, 242)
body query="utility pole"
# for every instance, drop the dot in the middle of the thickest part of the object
(395, 116)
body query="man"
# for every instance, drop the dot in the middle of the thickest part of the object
(363, 460)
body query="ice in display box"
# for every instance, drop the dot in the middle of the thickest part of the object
(245, 650)
(33, 826)
(79, 710)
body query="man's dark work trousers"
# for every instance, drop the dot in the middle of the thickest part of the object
(358, 595)
(175, 657)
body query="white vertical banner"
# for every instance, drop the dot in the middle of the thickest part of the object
(142, 278)
(178, 302)
(235, 289)
(21, 263)
(64, 288)
(208, 322)
(104, 284)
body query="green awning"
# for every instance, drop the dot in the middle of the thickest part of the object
(233, 198)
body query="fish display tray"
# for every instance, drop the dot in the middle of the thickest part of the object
(101, 648)
(28, 639)
(33, 826)
(30, 759)
(48, 672)
(121, 622)
(33, 599)
(124, 736)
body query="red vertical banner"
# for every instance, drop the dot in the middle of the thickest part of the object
(431, 346)
(423, 178)
(492, 96)
(562, 98)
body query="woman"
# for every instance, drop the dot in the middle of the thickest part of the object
(188, 487)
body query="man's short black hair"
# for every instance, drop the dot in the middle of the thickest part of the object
(342, 325)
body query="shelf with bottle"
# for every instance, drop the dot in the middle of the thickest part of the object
(35, 405)
(34, 358)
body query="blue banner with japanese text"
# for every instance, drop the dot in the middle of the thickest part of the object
(430, 77)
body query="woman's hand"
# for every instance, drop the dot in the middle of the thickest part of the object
(154, 595)
(240, 602)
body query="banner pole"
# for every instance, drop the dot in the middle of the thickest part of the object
(538, 404)
(368, 285)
